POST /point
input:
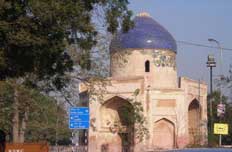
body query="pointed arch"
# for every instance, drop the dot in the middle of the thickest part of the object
(194, 118)
(110, 97)
(166, 119)
(115, 116)
(164, 134)
(115, 108)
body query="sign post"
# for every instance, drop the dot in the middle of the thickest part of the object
(79, 118)
(221, 128)
(221, 108)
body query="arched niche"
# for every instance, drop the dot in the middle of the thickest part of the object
(194, 118)
(116, 119)
(163, 134)
(147, 66)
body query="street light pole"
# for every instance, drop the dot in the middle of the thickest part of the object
(211, 63)
(221, 76)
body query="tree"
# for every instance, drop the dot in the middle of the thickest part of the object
(6, 110)
(47, 121)
(42, 115)
(34, 36)
(215, 97)
(225, 83)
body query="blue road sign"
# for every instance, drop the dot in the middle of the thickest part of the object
(79, 118)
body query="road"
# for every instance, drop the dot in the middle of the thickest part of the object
(203, 150)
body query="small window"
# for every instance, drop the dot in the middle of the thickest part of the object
(147, 66)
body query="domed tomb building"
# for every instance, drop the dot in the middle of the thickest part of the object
(143, 60)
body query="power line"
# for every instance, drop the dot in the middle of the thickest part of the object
(202, 45)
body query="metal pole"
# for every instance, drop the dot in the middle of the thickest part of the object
(211, 63)
(211, 80)
(220, 136)
(221, 76)
(210, 102)
(220, 140)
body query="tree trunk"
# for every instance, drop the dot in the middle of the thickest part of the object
(16, 117)
(23, 126)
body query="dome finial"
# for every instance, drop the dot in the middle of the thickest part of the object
(144, 14)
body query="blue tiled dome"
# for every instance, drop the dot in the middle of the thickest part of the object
(147, 34)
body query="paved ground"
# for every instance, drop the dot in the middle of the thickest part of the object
(203, 150)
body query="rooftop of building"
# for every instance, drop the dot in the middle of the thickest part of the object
(146, 34)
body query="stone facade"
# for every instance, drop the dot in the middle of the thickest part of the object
(175, 109)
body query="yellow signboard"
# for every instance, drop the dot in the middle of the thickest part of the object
(221, 128)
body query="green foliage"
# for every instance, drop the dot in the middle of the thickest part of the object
(33, 34)
(46, 120)
(42, 124)
(6, 110)
(34, 40)
(141, 131)
(215, 98)
(135, 117)
(227, 119)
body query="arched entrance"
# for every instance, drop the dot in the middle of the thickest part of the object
(116, 119)
(194, 113)
(163, 134)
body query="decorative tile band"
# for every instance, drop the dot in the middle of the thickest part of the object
(162, 58)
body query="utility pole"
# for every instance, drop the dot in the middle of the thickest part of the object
(211, 63)
(221, 77)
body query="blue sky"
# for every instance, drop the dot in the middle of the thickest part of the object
(193, 21)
